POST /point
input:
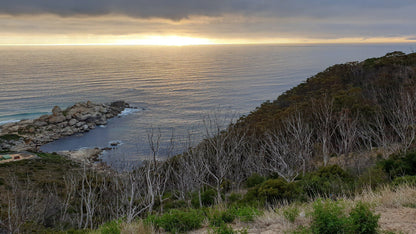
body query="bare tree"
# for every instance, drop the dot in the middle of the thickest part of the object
(402, 118)
(158, 173)
(288, 150)
(219, 149)
(325, 124)
(301, 134)
(24, 203)
(347, 131)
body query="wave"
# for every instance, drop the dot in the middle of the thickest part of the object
(128, 111)
(9, 121)
(17, 117)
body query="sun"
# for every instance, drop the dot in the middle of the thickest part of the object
(165, 41)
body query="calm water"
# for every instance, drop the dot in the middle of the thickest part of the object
(174, 86)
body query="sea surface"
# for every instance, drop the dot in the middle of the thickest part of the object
(173, 87)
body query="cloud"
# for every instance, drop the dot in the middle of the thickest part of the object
(180, 9)
(211, 18)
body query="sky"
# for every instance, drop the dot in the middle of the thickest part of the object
(183, 22)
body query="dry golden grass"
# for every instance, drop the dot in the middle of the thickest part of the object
(390, 197)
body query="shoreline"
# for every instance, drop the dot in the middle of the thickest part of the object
(80, 118)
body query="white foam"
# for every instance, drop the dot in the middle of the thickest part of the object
(128, 111)
(9, 121)
(102, 126)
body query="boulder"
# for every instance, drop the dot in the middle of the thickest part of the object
(56, 111)
(40, 123)
(72, 122)
(53, 119)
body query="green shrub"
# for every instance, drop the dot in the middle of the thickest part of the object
(291, 213)
(278, 189)
(234, 197)
(217, 217)
(112, 227)
(207, 198)
(179, 221)
(246, 213)
(409, 180)
(400, 165)
(328, 217)
(328, 181)
(363, 220)
(254, 180)
(174, 204)
(373, 178)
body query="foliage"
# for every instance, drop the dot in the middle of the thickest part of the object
(273, 190)
(409, 180)
(219, 217)
(112, 227)
(363, 220)
(400, 165)
(373, 178)
(327, 181)
(328, 217)
(207, 198)
(234, 197)
(180, 221)
(254, 180)
(223, 229)
(174, 204)
(247, 213)
(291, 213)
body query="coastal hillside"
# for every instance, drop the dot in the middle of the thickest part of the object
(322, 158)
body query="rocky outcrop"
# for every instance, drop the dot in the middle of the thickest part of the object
(81, 117)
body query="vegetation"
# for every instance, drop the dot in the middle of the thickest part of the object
(329, 217)
(343, 131)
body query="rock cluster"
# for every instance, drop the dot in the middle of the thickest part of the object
(81, 117)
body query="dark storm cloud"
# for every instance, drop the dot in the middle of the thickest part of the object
(179, 9)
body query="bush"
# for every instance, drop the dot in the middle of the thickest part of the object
(179, 221)
(328, 217)
(409, 180)
(112, 227)
(328, 181)
(399, 165)
(246, 214)
(207, 198)
(362, 220)
(278, 189)
(254, 180)
(291, 213)
(234, 197)
(217, 217)
(174, 204)
(373, 178)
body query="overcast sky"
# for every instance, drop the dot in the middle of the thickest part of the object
(43, 21)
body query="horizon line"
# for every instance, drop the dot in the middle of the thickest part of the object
(212, 44)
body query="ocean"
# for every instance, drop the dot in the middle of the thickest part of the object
(172, 87)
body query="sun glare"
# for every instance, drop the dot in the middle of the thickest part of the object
(165, 41)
